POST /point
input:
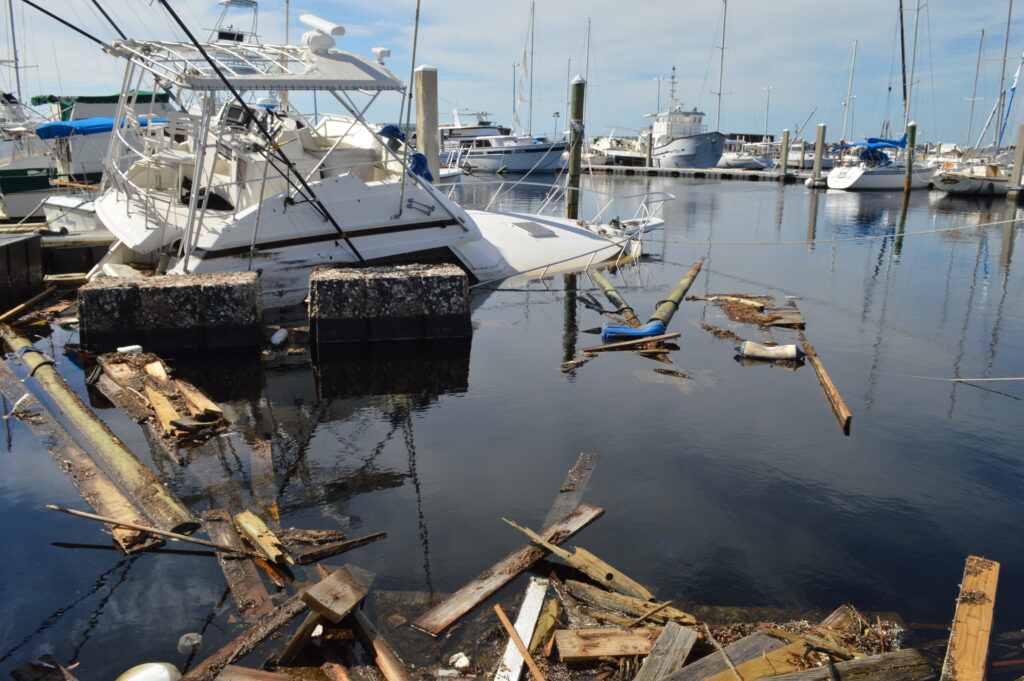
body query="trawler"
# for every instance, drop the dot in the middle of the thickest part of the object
(238, 182)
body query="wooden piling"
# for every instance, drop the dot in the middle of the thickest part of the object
(138, 481)
(784, 155)
(1016, 170)
(572, 199)
(911, 141)
(819, 150)
(427, 140)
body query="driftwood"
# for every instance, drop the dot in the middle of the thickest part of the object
(901, 665)
(243, 579)
(260, 536)
(626, 604)
(322, 551)
(835, 400)
(747, 648)
(669, 653)
(618, 345)
(581, 645)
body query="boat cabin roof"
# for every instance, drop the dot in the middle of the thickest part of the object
(250, 66)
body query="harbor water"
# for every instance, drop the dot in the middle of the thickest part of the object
(724, 482)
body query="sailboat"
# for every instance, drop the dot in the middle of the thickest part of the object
(246, 183)
(873, 169)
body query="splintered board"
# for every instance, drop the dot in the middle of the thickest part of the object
(786, 316)
(967, 653)
(579, 645)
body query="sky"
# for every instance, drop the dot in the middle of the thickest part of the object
(801, 49)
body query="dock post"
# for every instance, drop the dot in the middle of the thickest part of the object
(1016, 170)
(427, 141)
(649, 135)
(819, 150)
(911, 140)
(572, 199)
(784, 155)
(803, 154)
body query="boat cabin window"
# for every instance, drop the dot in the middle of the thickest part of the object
(482, 143)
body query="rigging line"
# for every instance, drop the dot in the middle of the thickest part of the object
(320, 207)
(53, 16)
(109, 20)
(407, 99)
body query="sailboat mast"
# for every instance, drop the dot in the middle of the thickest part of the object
(913, 64)
(849, 90)
(533, 28)
(14, 49)
(721, 66)
(1002, 76)
(974, 92)
(903, 67)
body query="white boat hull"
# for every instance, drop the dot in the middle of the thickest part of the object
(861, 178)
(538, 158)
(694, 151)
(957, 183)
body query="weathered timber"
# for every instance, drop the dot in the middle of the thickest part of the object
(233, 673)
(335, 672)
(448, 611)
(843, 620)
(300, 638)
(95, 486)
(967, 653)
(43, 668)
(902, 665)
(127, 400)
(336, 596)
(137, 481)
(774, 663)
(259, 535)
(747, 648)
(151, 530)
(835, 400)
(602, 615)
(653, 611)
(294, 536)
(630, 343)
(511, 664)
(391, 666)
(592, 566)
(327, 550)
(626, 604)
(570, 494)
(199, 404)
(165, 411)
(546, 624)
(18, 310)
(756, 304)
(785, 316)
(668, 654)
(158, 371)
(517, 641)
(580, 645)
(573, 610)
(812, 640)
(243, 578)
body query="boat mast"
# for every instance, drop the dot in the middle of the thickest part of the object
(849, 91)
(974, 92)
(533, 6)
(1002, 77)
(721, 67)
(14, 50)
(913, 65)
(903, 68)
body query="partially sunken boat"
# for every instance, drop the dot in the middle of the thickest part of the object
(236, 183)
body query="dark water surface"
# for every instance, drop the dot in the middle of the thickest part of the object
(734, 487)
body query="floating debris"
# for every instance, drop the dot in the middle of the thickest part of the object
(672, 372)
(719, 332)
(573, 364)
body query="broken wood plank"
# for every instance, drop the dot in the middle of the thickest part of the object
(391, 666)
(516, 640)
(322, 551)
(967, 653)
(902, 665)
(668, 654)
(782, 661)
(293, 536)
(335, 672)
(158, 371)
(511, 665)
(234, 673)
(630, 343)
(259, 535)
(336, 596)
(96, 487)
(198, 403)
(786, 316)
(626, 604)
(448, 611)
(243, 578)
(134, 405)
(747, 648)
(570, 494)
(300, 638)
(573, 610)
(546, 624)
(120, 373)
(166, 414)
(835, 400)
(845, 620)
(812, 640)
(592, 566)
(43, 668)
(581, 645)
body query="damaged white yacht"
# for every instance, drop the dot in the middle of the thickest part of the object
(243, 181)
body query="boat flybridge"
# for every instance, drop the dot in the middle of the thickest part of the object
(241, 180)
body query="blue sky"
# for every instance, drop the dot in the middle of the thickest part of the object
(801, 48)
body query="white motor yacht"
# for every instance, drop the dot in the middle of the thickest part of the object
(485, 146)
(874, 170)
(233, 185)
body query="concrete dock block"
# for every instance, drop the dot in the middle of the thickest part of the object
(337, 305)
(394, 300)
(445, 302)
(231, 308)
(21, 269)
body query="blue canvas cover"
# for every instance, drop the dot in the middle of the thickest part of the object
(83, 126)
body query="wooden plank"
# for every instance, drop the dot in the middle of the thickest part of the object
(198, 403)
(747, 648)
(787, 316)
(233, 673)
(843, 620)
(570, 494)
(166, 414)
(448, 611)
(668, 654)
(134, 405)
(300, 638)
(774, 663)
(511, 665)
(322, 551)
(337, 595)
(901, 665)
(120, 373)
(158, 371)
(581, 645)
(517, 641)
(335, 672)
(630, 343)
(259, 535)
(967, 653)
(243, 578)
(835, 400)
(592, 566)
(391, 666)
(626, 604)
(546, 624)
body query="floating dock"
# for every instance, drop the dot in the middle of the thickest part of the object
(703, 173)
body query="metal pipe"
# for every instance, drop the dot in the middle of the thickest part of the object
(613, 296)
(668, 307)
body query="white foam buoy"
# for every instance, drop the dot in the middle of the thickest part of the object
(130, 349)
(279, 337)
(758, 351)
(151, 671)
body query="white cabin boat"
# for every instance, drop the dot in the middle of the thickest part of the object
(976, 179)
(230, 185)
(485, 146)
(874, 170)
